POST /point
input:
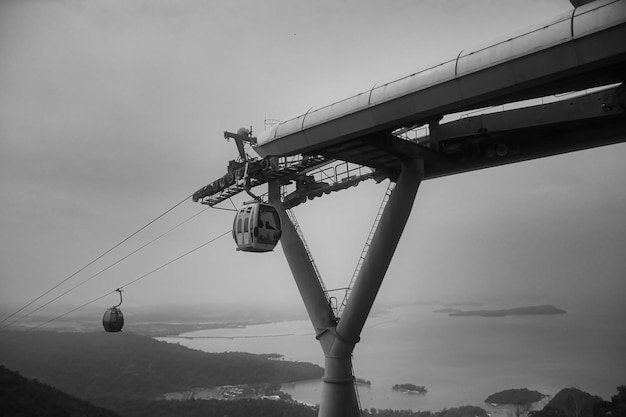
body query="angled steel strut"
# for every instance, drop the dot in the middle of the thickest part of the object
(338, 338)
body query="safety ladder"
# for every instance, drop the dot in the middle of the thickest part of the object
(356, 388)
(366, 247)
(293, 219)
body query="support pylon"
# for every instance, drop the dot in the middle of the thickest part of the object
(338, 339)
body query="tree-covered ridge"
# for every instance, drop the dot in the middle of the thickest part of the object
(464, 411)
(20, 396)
(410, 388)
(515, 396)
(574, 402)
(127, 373)
(101, 365)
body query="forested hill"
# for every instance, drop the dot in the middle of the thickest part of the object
(20, 396)
(105, 365)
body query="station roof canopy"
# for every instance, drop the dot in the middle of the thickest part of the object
(578, 50)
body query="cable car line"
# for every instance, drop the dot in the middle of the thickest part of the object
(96, 259)
(176, 259)
(118, 289)
(16, 335)
(103, 270)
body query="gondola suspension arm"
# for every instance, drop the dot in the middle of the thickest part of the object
(121, 300)
(246, 180)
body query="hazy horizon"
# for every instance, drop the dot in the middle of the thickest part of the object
(229, 312)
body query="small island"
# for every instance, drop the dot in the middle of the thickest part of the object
(519, 311)
(410, 388)
(448, 310)
(521, 396)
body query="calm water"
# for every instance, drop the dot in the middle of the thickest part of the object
(461, 360)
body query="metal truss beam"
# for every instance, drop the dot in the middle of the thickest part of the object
(497, 138)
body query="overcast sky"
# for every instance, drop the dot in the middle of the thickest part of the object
(111, 112)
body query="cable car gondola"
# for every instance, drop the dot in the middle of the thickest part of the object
(113, 319)
(256, 227)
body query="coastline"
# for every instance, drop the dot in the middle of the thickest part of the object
(460, 361)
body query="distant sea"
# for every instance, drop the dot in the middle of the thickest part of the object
(460, 360)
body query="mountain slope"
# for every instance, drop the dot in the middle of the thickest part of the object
(126, 365)
(22, 397)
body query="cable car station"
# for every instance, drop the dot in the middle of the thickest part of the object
(488, 106)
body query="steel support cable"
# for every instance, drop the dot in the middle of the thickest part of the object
(93, 261)
(103, 270)
(119, 288)
(175, 259)
(57, 317)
